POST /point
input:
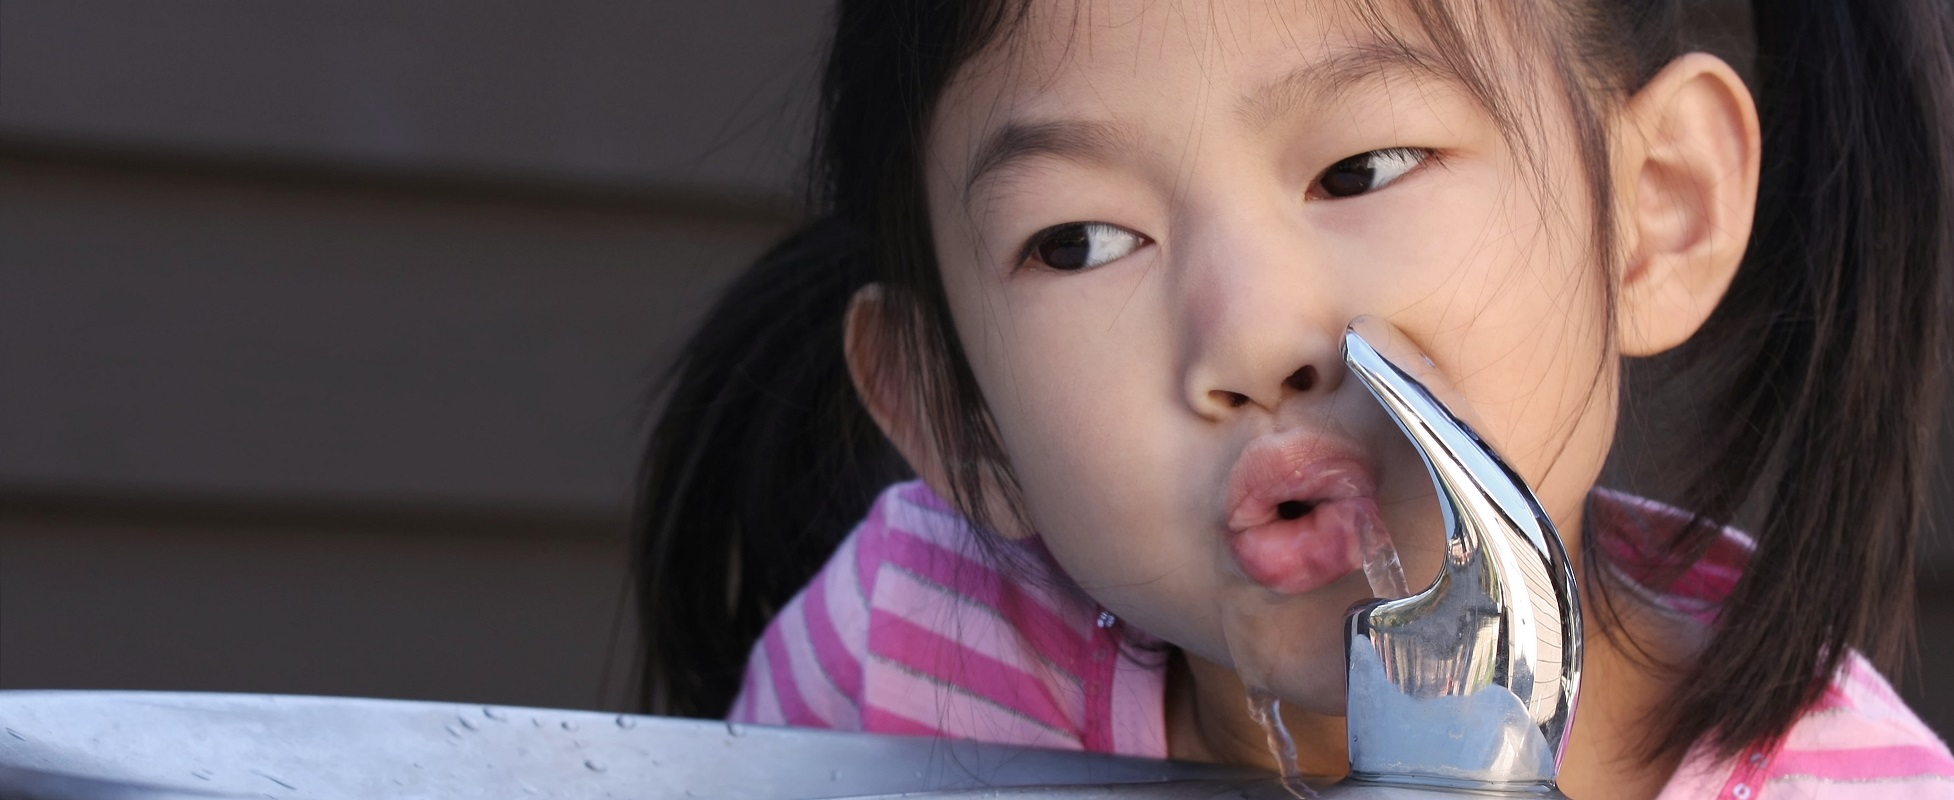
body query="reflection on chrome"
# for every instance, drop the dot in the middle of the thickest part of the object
(1471, 682)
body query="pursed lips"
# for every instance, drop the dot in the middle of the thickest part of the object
(1300, 507)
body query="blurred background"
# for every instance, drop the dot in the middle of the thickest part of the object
(327, 330)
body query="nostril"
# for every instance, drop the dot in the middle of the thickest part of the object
(1301, 380)
(1233, 399)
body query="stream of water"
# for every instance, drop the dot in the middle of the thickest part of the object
(1387, 581)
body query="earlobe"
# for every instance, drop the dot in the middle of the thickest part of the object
(887, 390)
(882, 389)
(1686, 178)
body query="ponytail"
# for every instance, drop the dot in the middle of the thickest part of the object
(760, 463)
(1826, 356)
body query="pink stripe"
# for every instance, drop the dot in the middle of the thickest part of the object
(975, 626)
(958, 540)
(870, 540)
(950, 662)
(792, 706)
(876, 719)
(1099, 736)
(828, 648)
(928, 519)
(918, 493)
(743, 710)
(818, 690)
(1866, 763)
(1044, 630)
(761, 699)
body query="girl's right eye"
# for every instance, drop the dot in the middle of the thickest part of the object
(1075, 246)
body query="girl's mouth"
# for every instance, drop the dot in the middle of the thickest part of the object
(1300, 512)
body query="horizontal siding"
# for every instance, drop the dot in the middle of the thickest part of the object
(224, 337)
(706, 96)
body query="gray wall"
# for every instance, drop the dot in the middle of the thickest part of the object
(325, 329)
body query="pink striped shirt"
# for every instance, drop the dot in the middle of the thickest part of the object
(910, 629)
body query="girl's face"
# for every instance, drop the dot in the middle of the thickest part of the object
(1154, 219)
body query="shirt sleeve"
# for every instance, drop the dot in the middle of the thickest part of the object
(1859, 742)
(806, 668)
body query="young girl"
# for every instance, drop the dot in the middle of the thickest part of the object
(1080, 268)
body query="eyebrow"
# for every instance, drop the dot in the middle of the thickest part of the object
(1082, 141)
(1320, 81)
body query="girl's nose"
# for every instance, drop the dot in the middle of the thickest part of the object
(1262, 331)
(1305, 378)
(1220, 391)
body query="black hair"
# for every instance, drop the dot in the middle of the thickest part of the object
(1821, 368)
(1823, 363)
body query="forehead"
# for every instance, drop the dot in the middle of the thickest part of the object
(1077, 77)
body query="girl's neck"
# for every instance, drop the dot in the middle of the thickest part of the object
(1208, 720)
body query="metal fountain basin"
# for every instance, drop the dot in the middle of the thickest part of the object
(76, 745)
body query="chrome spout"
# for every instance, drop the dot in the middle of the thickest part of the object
(1471, 683)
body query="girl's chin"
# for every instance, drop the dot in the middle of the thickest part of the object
(1291, 646)
(1312, 685)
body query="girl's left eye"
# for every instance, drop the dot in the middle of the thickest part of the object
(1075, 246)
(1367, 172)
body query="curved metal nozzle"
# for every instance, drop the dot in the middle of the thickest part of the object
(1471, 682)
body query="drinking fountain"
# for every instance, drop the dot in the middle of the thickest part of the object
(1465, 688)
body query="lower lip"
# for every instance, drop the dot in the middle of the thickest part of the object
(1293, 556)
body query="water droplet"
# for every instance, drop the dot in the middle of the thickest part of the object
(494, 714)
(528, 789)
(735, 731)
(201, 774)
(834, 775)
(594, 766)
(626, 721)
(569, 726)
(469, 723)
(16, 734)
(452, 730)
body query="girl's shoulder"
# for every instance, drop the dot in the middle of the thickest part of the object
(1859, 741)
(919, 625)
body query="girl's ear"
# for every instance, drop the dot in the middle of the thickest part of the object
(1687, 178)
(883, 388)
(888, 392)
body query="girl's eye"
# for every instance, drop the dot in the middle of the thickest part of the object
(1080, 245)
(1368, 172)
